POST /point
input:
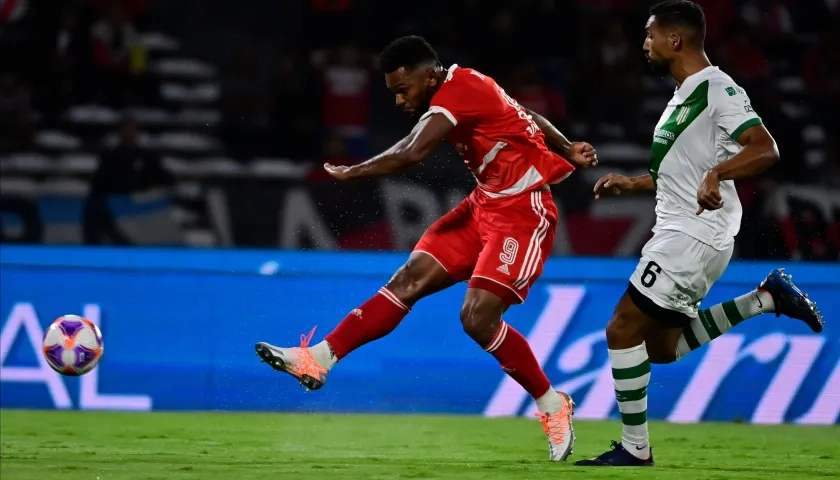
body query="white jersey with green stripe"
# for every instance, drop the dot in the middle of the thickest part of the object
(698, 130)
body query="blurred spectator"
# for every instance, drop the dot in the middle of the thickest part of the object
(821, 68)
(245, 90)
(786, 130)
(506, 43)
(126, 169)
(742, 56)
(768, 18)
(13, 11)
(16, 114)
(720, 14)
(16, 32)
(617, 72)
(530, 91)
(345, 101)
(69, 61)
(115, 41)
(118, 57)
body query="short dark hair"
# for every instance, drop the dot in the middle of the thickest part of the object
(681, 13)
(408, 52)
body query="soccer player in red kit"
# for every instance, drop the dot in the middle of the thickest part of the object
(497, 238)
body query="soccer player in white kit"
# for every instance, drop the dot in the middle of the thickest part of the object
(707, 137)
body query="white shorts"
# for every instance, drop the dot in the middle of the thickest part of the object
(676, 271)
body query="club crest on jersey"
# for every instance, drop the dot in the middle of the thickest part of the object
(682, 115)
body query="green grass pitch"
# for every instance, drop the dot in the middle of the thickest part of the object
(210, 446)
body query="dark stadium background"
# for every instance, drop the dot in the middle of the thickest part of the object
(238, 103)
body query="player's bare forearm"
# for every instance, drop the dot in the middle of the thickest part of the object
(395, 159)
(643, 183)
(554, 139)
(409, 151)
(759, 153)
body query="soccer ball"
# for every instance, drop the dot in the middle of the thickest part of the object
(73, 345)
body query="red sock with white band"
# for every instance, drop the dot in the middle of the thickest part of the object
(374, 319)
(517, 359)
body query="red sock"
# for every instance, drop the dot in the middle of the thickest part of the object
(514, 353)
(374, 319)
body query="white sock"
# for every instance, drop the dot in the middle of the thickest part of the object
(322, 353)
(717, 320)
(755, 303)
(631, 375)
(551, 402)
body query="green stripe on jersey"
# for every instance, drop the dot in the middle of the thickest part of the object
(682, 116)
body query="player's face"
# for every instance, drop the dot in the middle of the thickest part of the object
(413, 89)
(657, 46)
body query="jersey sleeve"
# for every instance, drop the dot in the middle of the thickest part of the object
(462, 99)
(731, 109)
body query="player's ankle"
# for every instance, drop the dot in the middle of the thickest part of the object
(639, 449)
(550, 402)
(323, 354)
(766, 303)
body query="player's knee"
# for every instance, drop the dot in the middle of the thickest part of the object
(624, 330)
(479, 319)
(415, 279)
(661, 355)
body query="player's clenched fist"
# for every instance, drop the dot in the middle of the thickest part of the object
(613, 184)
(708, 195)
(583, 155)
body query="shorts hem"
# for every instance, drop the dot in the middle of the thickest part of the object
(665, 315)
(433, 258)
(506, 293)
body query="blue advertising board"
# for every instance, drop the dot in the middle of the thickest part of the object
(180, 325)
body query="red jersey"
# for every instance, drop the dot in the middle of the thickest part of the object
(500, 143)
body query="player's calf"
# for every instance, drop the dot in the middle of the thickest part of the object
(627, 327)
(377, 317)
(776, 294)
(481, 318)
(631, 375)
(481, 315)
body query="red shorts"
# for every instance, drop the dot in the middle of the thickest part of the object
(499, 247)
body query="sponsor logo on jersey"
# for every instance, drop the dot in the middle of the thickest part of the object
(663, 136)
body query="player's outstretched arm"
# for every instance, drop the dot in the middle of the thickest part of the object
(614, 184)
(759, 153)
(413, 149)
(580, 154)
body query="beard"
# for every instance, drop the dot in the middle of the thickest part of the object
(658, 67)
(423, 107)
